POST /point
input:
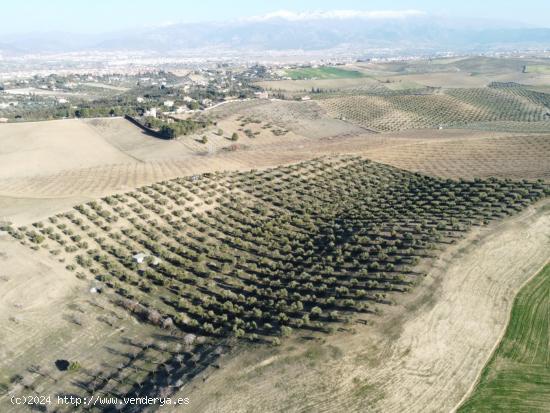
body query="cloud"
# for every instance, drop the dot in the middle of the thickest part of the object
(337, 14)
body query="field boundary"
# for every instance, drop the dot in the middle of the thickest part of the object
(148, 130)
(471, 389)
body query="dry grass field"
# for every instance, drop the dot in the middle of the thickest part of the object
(48, 314)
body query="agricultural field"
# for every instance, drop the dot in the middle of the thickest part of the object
(325, 72)
(513, 156)
(451, 108)
(545, 69)
(305, 119)
(51, 166)
(468, 92)
(112, 155)
(444, 79)
(357, 250)
(231, 255)
(476, 65)
(406, 358)
(306, 86)
(517, 378)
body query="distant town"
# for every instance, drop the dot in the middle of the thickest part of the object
(157, 87)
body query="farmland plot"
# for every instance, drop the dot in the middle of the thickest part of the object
(517, 376)
(231, 256)
(454, 107)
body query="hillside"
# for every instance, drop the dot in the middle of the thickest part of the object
(261, 254)
(456, 107)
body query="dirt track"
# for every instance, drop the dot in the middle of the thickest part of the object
(447, 345)
(423, 362)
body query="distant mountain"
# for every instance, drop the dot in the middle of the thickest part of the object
(355, 30)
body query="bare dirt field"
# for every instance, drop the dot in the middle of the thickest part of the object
(307, 118)
(45, 147)
(420, 356)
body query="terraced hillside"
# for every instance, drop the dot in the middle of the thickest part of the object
(447, 108)
(259, 254)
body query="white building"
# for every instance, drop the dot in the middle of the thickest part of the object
(168, 103)
(151, 112)
(139, 99)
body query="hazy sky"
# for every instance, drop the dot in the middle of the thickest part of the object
(93, 16)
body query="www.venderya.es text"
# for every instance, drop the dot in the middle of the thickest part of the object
(96, 400)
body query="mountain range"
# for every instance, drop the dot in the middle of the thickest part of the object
(355, 30)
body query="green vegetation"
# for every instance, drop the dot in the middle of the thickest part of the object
(74, 366)
(173, 128)
(301, 246)
(88, 95)
(219, 258)
(517, 378)
(543, 69)
(322, 73)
